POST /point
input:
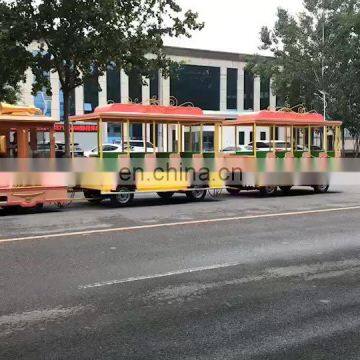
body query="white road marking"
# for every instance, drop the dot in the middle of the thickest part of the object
(175, 224)
(308, 271)
(158, 276)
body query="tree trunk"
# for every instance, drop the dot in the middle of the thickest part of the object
(66, 123)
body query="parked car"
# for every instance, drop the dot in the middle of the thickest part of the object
(107, 148)
(43, 150)
(313, 148)
(136, 146)
(260, 146)
(266, 146)
(60, 150)
(233, 149)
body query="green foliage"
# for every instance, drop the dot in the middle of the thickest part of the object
(79, 39)
(14, 60)
(304, 64)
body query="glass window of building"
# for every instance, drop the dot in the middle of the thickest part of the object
(263, 135)
(249, 91)
(135, 95)
(136, 131)
(91, 95)
(209, 139)
(242, 138)
(113, 85)
(135, 87)
(264, 93)
(43, 102)
(276, 133)
(199, 85)
(154, 85)
(232, 82)
(72, 110)
(114, 133)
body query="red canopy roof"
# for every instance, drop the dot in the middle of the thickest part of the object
(148, 109)
(281, 118)
(148, 113)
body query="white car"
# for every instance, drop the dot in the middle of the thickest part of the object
(280, 145)
(107, 148)
(234, 150)
(260, 146)
(136, 146)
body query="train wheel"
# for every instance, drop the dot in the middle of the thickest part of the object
(196, 195)
(215, 194)
(166, 195)
(321, 189)
(268, 190)
(122, 198)
(70, 199)
(233, 191)
(286, 189)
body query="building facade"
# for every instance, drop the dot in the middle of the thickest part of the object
(214, 81)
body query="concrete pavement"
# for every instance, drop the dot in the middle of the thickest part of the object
(279, 287)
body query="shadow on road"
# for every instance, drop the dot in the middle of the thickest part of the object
(280, 194)
(154, 201)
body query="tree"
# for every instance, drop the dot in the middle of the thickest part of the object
(314, 53)
(14, 60)
(79, 39)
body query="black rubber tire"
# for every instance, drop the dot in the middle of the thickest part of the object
(120, 200)
(166, 195)
(268, 190)
(196, 195)
(233, 191)
(286, 189)
(321, 189)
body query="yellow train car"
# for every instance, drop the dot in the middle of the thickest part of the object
(177, 152)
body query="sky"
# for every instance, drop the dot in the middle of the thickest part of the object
(232, 25)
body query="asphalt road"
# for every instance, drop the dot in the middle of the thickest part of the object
(242, 278)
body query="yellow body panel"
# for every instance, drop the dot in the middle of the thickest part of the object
(104, 182)
(215, 181)
(162, 181)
